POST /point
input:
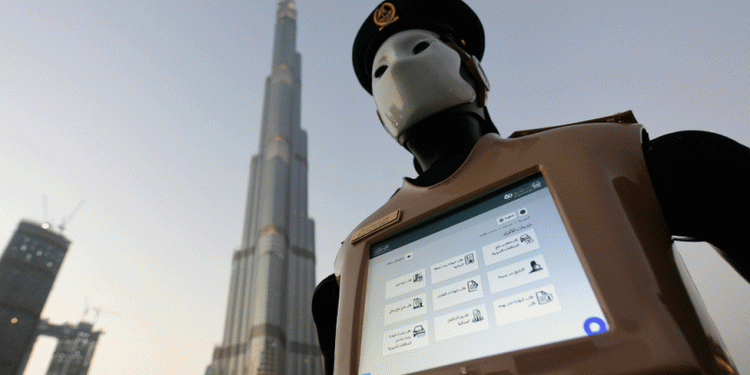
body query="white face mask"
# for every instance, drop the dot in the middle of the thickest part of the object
(414, 76)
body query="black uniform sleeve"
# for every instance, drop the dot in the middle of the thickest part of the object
(700, 181)
(325, 304)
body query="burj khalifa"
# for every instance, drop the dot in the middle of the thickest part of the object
(269, 327)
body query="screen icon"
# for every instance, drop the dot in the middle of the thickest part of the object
(417, 303)
(543, 297)
(477, 316)
(525, 238)
(535, 267)
(469, 258)
(419, 276)
(419, 331)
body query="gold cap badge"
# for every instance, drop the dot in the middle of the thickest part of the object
(385, 15)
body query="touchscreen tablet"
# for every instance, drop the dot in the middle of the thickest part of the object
(494, 276)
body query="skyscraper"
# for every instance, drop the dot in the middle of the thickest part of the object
(269, 327)
(28, 268)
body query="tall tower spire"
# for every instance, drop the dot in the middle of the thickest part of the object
(269, 327)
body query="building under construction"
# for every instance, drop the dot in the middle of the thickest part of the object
(28, 268)
(75, 347)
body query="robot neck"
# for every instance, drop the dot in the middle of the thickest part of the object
(441, 143)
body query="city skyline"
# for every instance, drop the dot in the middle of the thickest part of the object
(146, 110)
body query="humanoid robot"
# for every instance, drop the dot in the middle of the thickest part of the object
(421, 62)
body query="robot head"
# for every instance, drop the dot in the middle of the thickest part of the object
(415, 75)
(419, 58)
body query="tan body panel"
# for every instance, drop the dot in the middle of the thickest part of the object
(598, 178)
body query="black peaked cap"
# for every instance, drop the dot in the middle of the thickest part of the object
(451, 18)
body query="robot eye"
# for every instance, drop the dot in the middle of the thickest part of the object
(380, 70)
(421, 46)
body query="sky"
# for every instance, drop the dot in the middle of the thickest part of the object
(149, 113)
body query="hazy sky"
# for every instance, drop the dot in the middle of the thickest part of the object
(150, 112)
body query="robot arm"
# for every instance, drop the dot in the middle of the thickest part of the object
(325, 305)
(698, 178)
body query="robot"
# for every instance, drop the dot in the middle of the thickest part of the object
(569, 229)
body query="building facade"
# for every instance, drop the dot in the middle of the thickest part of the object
(75, 347)
(269, 327)
(28, 269)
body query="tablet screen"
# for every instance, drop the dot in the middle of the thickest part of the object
(491, 277)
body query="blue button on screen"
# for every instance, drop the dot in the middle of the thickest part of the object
(594, 325)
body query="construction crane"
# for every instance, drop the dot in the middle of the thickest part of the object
(96, 312)
(66, 219)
